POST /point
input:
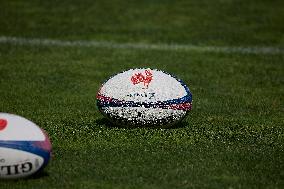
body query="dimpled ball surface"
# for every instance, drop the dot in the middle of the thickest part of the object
(144, 97)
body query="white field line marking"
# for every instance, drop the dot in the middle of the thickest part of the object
(142, 46)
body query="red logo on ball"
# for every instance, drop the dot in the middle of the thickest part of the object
(3, 124)
(140, 78)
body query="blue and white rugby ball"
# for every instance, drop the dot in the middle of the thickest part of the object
(25, 149)
(144, 97)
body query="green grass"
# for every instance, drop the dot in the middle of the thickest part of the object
(234, 136)
(218, 22)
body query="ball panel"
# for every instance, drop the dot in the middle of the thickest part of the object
(19, 128)
(143, 116)
(162, 86)
(15, 163)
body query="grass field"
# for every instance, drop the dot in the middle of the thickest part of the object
(233, 137)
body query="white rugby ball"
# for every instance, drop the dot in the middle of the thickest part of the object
(25, 148)
(144, 97)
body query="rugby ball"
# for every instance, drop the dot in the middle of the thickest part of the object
(144, 97)
(25, 148)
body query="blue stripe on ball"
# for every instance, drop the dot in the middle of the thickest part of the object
(27, 146)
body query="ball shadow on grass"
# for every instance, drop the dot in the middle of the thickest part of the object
(39, 175)
(36, 176)
(109, 124)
